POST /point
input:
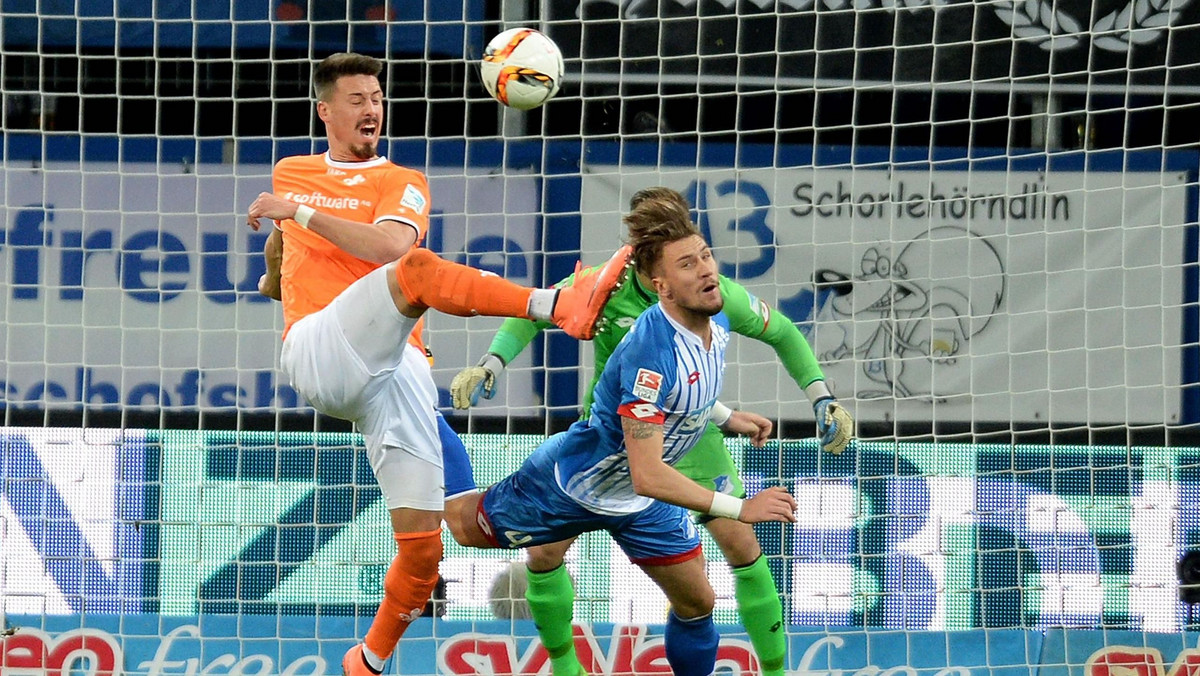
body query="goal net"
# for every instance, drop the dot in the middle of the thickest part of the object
(982, 217)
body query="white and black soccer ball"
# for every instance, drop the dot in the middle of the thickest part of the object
(522, 68)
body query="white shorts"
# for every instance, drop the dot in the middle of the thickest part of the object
(352, 360)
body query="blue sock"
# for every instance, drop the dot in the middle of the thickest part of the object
(455, 464)
(691, 645)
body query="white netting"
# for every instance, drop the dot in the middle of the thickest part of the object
(982, 216)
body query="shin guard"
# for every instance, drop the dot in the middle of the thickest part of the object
(406, 589)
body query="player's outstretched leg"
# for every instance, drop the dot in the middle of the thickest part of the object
(427, 281)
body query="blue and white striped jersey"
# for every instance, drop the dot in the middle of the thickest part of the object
(660, 373)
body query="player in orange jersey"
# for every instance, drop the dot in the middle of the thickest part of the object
(354, 285)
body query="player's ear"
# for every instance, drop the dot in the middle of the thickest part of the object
(323, 111)
(660, 287)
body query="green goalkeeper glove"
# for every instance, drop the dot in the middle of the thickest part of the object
(475, 381)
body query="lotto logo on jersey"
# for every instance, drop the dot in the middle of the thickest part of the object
(647, 384)
(643, 411)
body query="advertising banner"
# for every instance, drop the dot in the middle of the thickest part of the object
(896, 535)
(307, 646)
(947, 295)
(1067, 652)
(134, 285)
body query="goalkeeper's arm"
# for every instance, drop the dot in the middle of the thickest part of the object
(752, 317)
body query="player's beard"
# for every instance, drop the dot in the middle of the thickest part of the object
(364, 151)
(705, 310)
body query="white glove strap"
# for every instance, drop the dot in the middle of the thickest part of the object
(725, 505)
(721, 414)
(816, 391)
(303, 214)
(492, 363)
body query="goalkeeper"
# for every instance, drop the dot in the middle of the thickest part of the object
(550, 594)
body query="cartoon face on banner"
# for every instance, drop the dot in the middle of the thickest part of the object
(917, 307)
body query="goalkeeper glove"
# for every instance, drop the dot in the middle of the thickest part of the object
(835, 425)
(474, 381)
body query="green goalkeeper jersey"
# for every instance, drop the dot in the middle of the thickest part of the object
(747, 315)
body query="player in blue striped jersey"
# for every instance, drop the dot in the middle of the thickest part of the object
(665, 375)
(613, 471)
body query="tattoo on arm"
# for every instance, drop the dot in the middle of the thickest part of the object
(638, 429)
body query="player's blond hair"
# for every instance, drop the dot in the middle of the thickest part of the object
(337, 66)
(655, 220)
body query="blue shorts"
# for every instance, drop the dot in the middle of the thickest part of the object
(528, 508)
(456, 464)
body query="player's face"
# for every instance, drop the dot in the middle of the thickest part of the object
(353, 117)
(688, 276)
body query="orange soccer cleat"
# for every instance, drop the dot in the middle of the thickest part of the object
(578, 306)
(355, 664)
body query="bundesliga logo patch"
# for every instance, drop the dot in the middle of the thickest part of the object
(646, 384)
(413, 199)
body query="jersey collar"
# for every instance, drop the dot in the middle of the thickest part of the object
(687, 333)
(365, 164)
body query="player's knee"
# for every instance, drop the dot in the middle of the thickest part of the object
(543, 559)
(695, 598)
(412, 268)
(417, 260)
(697, 603)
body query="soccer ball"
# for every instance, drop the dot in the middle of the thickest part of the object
(522, 68)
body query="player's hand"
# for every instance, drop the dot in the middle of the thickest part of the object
(771, 504)
(835, 425)
(470, 384)
(268, 205)
(752, 425)
(475, 381)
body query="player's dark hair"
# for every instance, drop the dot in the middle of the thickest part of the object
(657, 192)
(337, 66)
(654, 223)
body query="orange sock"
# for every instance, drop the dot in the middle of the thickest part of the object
(406, 589)
(458, 289)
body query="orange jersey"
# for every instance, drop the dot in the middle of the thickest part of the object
(314, 269)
